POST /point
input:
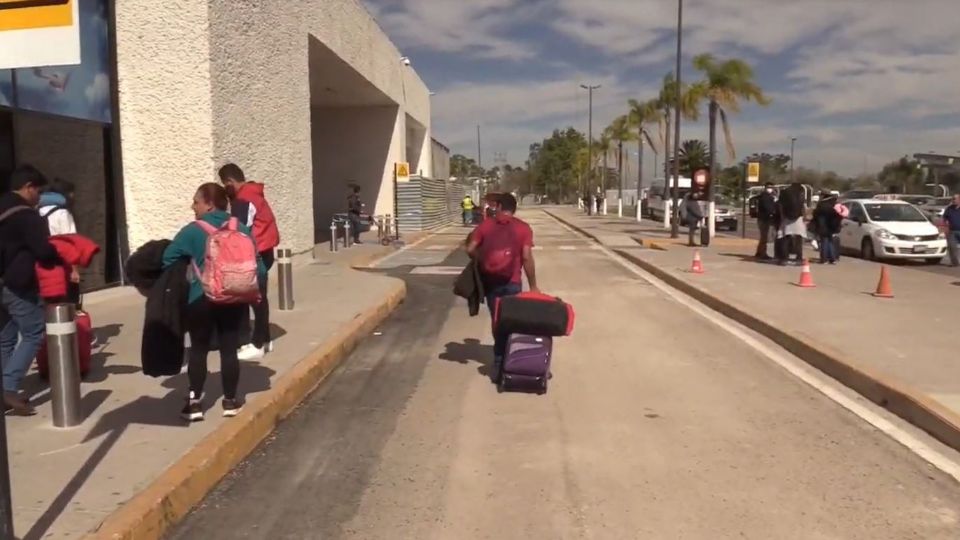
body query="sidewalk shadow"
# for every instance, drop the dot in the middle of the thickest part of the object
(147, 411)
(470, 350)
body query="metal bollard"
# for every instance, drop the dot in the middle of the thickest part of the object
(388, 230)
(347, 238)
(62, 355)
(285, 277)
(333, 236)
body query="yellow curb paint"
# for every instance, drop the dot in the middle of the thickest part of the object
(149, 514)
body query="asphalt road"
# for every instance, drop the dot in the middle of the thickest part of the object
(658, 424)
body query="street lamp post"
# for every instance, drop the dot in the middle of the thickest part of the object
(589, 89)
(675, 211)
(793, 144)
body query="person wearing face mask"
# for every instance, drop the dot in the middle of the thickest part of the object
(766, 219)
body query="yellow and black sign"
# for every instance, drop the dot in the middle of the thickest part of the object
(403, 171)
(753, 172)
(32, 14)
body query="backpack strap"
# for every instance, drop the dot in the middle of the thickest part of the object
(206, 227)
(232, 224)
(12, 211)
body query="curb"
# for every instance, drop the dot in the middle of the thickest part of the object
(897, 397)
(183, 484)
(644, 242)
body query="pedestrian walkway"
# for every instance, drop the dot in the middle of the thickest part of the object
(66, 482)
(896, 351)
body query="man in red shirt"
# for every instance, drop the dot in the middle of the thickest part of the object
(503, 248)
(249, 205)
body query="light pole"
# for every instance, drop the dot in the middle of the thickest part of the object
(589, 89)
(793, 144)
(479, 154)
(675, 210)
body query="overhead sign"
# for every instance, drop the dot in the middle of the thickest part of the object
(753, 172)
(403, 171)
(39, 33)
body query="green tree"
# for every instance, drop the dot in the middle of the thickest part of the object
(690, 97)
(902, 176)
(693, 157)
(552, 164)
(641, 115)
(619, 131)
(601, 151)
(725, 84)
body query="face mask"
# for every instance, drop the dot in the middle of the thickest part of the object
(769, 191)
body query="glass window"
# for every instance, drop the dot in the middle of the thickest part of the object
(79, 91)
(893, 212)
(856, 212)
(6, 88)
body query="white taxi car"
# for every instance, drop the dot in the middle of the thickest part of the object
(891, 230)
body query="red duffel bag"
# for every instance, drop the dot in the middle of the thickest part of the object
(535, 314)
(84, 333)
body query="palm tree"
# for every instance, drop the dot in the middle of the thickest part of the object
(693, 156)
(619, 131)
(724, 85)
(641, 114)
(601, 150)
(690, 97)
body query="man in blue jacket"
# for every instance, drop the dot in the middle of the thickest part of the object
(951, 219)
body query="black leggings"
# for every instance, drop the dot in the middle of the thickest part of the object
(202, 318)
(261, 311)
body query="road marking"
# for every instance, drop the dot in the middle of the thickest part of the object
(438, 270)
(568, 248)
(797, 368)
(405, 248)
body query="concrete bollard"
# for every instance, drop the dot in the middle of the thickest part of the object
(347, 237)
(380, 223)
(604, 207)
(285, 277)
(63, 359)
(619, 207)
(333, 236)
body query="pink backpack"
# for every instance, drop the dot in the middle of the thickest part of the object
(230, 265)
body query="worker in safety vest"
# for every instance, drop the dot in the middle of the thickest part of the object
(467, 206)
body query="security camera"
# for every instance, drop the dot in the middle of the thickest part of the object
(405, 60)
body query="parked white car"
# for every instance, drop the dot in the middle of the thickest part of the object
(879, 229)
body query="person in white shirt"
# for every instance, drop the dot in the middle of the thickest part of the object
(55, 205)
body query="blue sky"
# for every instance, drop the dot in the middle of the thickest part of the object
(858, 82)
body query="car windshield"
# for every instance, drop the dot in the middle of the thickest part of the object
(893, 212)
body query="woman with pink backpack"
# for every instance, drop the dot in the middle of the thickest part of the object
(225, 270)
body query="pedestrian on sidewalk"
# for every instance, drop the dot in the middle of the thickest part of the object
(827, 223)
(467, 206)
(951, 221)
(249, 205)
(354, 209)
(56, 204)
(766, 220)
(792, 227)
(203, 315)
(24, 243)
(691, 215)
(503, 248)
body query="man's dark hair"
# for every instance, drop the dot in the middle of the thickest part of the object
(26, 175)
(231, 171)
(768, 184)
(508, 203)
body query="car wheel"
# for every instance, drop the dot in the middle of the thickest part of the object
(866, 250)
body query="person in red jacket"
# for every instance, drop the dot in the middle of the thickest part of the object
(76, 251)
(250, 206)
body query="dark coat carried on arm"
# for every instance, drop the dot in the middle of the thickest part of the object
(469, 285)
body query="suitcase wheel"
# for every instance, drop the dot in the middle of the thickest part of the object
(543, 387)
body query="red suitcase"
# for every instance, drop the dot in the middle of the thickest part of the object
(84, 333)
(533, 313)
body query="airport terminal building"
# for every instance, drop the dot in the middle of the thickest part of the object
(306, 96)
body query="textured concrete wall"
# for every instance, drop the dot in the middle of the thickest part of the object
(262, 104)
(163, 64)
(203, 83)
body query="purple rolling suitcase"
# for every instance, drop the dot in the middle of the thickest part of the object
(527, 363)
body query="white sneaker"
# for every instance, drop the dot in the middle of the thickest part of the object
(249, 352)
(268, 347)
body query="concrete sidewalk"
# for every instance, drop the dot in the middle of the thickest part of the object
(67, 482)
(896, 352)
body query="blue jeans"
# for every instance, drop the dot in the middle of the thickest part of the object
(27, 325)
(828, 249)
(500, 339)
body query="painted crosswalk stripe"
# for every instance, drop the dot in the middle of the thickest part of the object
(438, 270)
(568, 248)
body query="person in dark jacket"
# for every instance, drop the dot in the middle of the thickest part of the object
(692, 215)
(250, 206)
(827, 222)
(354, 209)
(24, 243)
(792, 228)
(766, 219)
(951, 221)
(202, 316)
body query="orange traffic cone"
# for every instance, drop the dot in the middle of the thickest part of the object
(697, 267)
(806, 278)
(884, 289)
